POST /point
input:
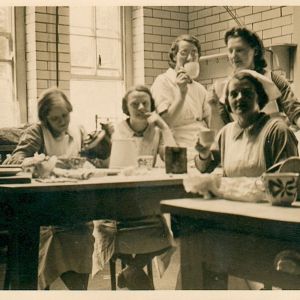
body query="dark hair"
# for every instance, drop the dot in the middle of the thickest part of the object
(254, 41)
(174, 47)
(48, 99)
(138, 88)
(262, 98)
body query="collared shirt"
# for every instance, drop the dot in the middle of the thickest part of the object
(148, 141)
(251, 151)
(195, 112)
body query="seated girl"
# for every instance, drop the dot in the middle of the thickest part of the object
(142, 238)
(65, 251)
(254, 142)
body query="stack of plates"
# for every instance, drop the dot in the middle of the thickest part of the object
(9, 170)
(9, 174)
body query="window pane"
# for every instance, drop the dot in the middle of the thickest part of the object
(82, 20)
(84, 56)
(108, 21)
(111, 55)
(9, 109)
(4, 48)
(5, 19)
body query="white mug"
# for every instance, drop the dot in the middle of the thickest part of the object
(192, 69)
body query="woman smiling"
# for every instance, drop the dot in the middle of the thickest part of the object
(254, 142)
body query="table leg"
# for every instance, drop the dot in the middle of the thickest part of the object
(190, 262)
(23, 260)
(194, 272)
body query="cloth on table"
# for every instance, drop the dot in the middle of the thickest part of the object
(139, 236)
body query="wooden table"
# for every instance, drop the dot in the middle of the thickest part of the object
(221, 237)
(118, 197)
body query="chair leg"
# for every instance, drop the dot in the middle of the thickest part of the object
(112, 265)
(150, 271)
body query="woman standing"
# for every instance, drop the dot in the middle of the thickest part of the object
(246, 51)
(180, 100)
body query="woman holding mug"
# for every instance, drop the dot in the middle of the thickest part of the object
(179, 99)
(254, 142)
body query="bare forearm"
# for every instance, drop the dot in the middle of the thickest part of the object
(174, 111)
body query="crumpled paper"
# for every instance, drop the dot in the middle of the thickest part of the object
(206, 185)
(39, 165)
(246, 189)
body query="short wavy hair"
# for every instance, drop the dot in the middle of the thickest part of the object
(48, 99)
(254, 41)
(138, 88)
(174, 47)
(262, 95)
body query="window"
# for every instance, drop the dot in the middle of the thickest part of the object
(96, 41)
(97, 46)
(9, 111)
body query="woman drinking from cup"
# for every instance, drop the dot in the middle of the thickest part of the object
(141, 238)
(65, 251)
(246, 51)
(179, 98)
(254, 142)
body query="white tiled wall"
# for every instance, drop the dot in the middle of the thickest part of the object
(162, 24)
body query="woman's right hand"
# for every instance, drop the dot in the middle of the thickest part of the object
(204, 151)
(182, 80)
(212, 97)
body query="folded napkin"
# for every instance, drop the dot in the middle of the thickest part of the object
(81, 173)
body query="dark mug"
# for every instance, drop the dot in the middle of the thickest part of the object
(176, 160)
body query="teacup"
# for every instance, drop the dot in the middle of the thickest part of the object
(145, 161)
(206, 137)
(281, 188)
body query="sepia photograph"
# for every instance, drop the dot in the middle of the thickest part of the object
(131, 155)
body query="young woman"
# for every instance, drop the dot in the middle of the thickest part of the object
(254, 142)
(65, 252)
(142, 238)
(246, 51)
(180, 100)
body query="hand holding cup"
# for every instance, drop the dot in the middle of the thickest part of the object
(205, 140)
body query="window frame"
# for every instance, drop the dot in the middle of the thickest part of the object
(20, 74)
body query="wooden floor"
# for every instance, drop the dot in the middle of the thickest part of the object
(101, 281)
(168, 282)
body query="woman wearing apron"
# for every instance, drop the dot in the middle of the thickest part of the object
(65, 251)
